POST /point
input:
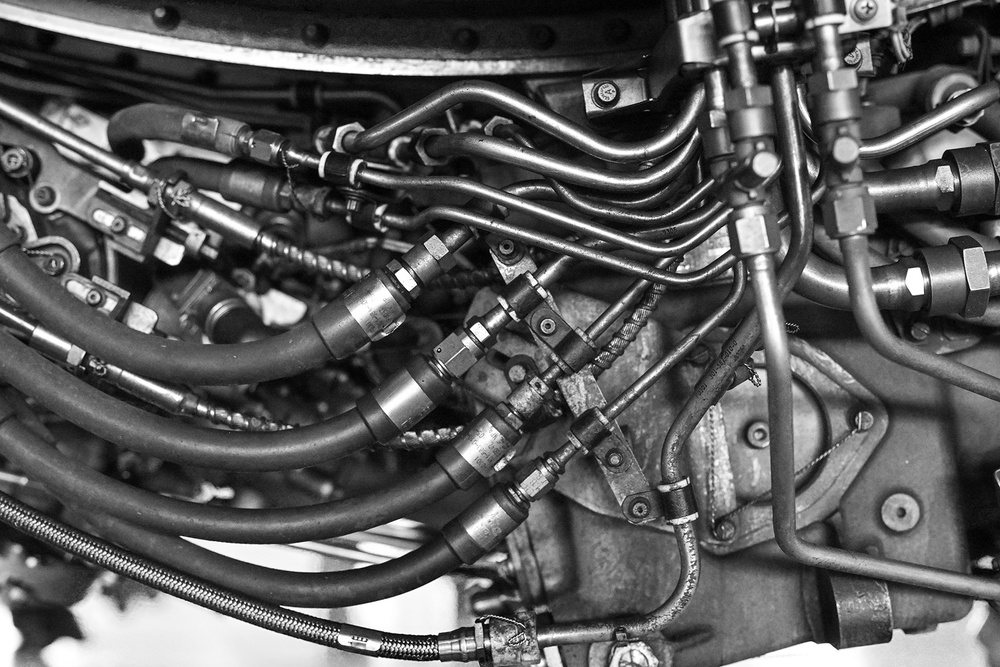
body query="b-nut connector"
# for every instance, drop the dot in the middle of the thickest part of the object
(485, 524)
(677, 500)
(403, 399)
(535, 480)
(460, 646)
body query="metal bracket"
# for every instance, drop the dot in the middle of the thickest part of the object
(614, 454)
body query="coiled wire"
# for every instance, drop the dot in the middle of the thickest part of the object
(276, 247)
(629, 331)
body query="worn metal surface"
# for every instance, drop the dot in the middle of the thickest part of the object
(440, 38)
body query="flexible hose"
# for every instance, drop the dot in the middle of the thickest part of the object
(316, 590)
(166, 580)
(78, 485)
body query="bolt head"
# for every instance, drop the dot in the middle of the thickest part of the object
(724, 530)
(606, 94)
(614, 458)
(517, 373)
(54, 265)
(118, 225)
(45, 196)
(863, 420)
(900, 512)
(639, 508)
(94, 298)
(547, 326)
(845, 151)
(758, 435)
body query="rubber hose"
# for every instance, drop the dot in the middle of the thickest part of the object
(281, 587)
(283, 355)
(135, 429)
(166, 580)
(77, 485)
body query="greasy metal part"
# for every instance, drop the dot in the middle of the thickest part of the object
(856, 611)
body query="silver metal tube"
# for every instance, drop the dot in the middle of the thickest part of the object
(491, 148)
(507, 101)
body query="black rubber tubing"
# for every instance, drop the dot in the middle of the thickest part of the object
(79, 486)
(280, 356)
(282, 587)
(172, 440)
(128, 127)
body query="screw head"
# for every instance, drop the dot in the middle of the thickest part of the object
(547, 326)
(118, 225)
(54, 265)
(758, 435)
(94, 298)
(900, 512)
(614, 458)
(864, 10)
(45, 196)
(506, 247)
(919, 331)
(16, 162)
(724, 530)
(606, 94)
(166, 17)
(853, 58)
(863, 420)
(639, 508)
(315, 35)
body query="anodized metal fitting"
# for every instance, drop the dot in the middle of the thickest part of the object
(460, 350)
(753, 231)
(482, 444)
(214, 133)
(266, 147)
(403, 399)
(535, 480)
(959, 277)
(460, 646)
(368, 311)
(848, 211)
(485, 524)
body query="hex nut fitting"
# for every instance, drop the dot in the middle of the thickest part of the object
(848, 211)
(337, 144)
(752, 233)
(977, 275)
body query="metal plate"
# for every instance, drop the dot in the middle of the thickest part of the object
(389, 37)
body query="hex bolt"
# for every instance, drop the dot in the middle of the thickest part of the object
(864, 10)
(506, 247)
(45, 196)
(94, 297)
(900, 512)
(547, 326)
(16, 162)
(606, 94)
(724, 530)
(54, 265)
(614, 458)
(758, 435)
(118, 225)
(639, 508)
(863, 421)
(166, 17)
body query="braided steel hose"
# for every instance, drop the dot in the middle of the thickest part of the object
(629, 330)
(426, 438)
(195, 406)
(276, 247)
(166, 580)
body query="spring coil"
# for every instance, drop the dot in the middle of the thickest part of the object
(466, 279)
(629, 330)
(279, 248)
(236, 421)
(409, 648)
(426, 438)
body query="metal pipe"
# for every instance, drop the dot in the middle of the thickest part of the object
(492, 148)
(783, 466)
(509, 102)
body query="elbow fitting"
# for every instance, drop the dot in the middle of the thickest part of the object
(485, 523)
(403, 399)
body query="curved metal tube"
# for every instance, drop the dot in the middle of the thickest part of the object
(507, 101)
(492, 148)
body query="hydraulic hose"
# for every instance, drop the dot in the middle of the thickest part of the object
(129, 127)
(241, 182)
(345, 637)
(518, 106)
(79, 486)
(331, 333)
(281, 587)
(783, 466)
(875, 331)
